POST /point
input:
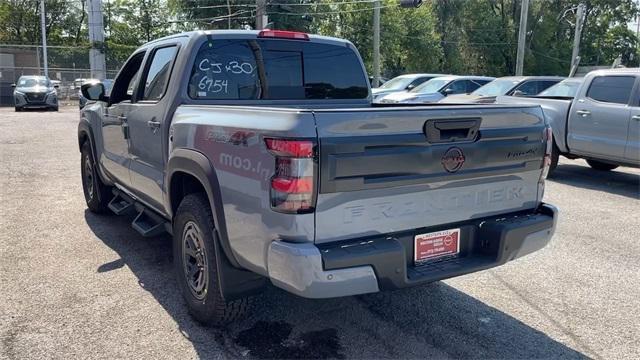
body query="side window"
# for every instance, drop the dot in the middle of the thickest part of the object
(124, 85)
(473, 85)
(528, 88)
(157, 76)
(417, 82)
(458, 87)
(544, 85)
(611, 89)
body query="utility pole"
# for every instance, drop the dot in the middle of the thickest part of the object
(43, 27)
(522, 36)
(261, 14)
(96, 39)
(229, 12)
(376, 44)
(576, 38)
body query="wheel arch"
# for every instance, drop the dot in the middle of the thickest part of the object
(191, 170)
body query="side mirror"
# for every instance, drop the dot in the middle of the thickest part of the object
(447, 91)
(13, 85)
(410, 87)
(93, 91)
(518, 93)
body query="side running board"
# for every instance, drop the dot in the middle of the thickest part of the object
(146, 222)
(121, 203)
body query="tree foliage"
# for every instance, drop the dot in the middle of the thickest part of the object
(448, 36)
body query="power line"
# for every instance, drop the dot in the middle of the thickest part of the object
(332, 12)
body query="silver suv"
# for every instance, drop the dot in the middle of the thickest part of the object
(35, 92)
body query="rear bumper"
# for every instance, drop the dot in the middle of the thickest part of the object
(371, 264)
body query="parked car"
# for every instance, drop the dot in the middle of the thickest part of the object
(266, 161)
(401, 83)
(381, 80)
(108, 83)
(436, 89)
(600, 124)
(75, 88)
(566, 88)
(34, 91)
(508, 85)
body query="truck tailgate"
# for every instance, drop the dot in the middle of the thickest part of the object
(385, 170)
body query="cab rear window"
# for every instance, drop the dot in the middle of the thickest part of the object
(273, 69)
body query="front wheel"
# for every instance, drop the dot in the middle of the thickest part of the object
(96, 194)
(601, 165)
(196, 264)
(18, 109)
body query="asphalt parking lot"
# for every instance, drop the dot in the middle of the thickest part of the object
(77, 285)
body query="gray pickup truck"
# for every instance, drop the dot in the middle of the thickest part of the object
(601, 123)
(263, 156)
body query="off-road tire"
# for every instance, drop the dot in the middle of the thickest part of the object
(96, 194)
(601, 166)
(210, 308)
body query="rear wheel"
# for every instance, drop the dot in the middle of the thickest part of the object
(96, 194)
(195, 263)
(601, 165)
(18, 108)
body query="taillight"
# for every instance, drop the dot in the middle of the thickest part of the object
(282, 34)
(547, 136)
(293, 185)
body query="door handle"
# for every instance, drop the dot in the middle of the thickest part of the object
(583, 113)
(636, 117)
(154, 125)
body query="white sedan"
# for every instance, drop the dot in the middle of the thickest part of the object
(436, 89)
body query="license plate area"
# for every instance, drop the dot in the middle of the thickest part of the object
(436, 246)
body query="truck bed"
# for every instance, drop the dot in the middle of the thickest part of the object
(378, 170)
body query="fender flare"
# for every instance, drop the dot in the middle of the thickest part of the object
(197, 165)
(85, 130)
(234, 280)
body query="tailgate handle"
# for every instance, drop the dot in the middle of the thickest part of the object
(452, 130)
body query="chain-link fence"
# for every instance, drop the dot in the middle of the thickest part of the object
(67, 67)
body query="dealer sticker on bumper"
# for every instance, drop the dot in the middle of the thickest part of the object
(436, 245)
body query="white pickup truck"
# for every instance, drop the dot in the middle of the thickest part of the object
(600, 124)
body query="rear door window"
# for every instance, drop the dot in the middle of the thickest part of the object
(276, 70)
(611, 89)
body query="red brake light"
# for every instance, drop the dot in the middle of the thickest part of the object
(293, 185)
(282, 34)
(292, 148)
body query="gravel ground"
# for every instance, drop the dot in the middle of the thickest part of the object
(76, 285)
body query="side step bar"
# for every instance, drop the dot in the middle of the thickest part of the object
(146, 222)
(121, 203)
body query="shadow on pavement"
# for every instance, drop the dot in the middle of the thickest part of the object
(615, 182)
(439, 318)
